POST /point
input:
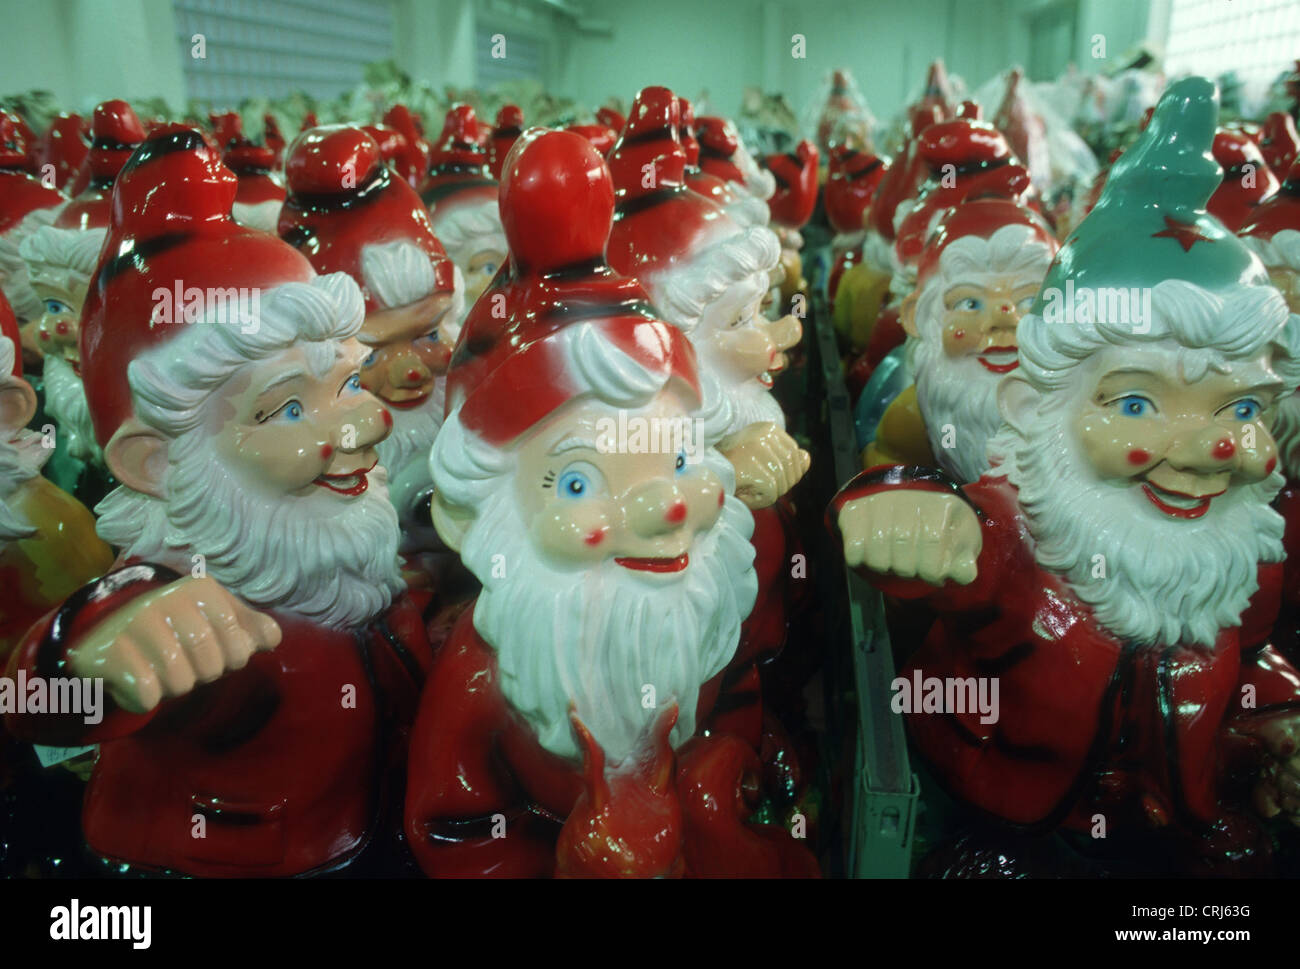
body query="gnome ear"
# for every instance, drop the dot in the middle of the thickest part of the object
(907, 314)
(17, 404)
(137, 457)
(451, 521)
(1018, 401)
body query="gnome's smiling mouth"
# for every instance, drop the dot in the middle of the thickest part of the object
(1000, 359)
(354, 483)
(655, 564)
(1177, 504)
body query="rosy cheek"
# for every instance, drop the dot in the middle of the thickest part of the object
(595, 536)
(1138, 457)
(1272, 463)
(326, 452)
(387, 417)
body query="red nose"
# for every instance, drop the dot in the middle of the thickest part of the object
(413, 375)
(1224, 449)
(677, 513)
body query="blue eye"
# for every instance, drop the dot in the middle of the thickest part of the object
(370, 360)
(292, 411)
(353, 383)
(1134, 406)
(488, 268)
(573, 484)
(972, 305)
(55, 308)
(431, 337)
(1245, 410)
(681, 460)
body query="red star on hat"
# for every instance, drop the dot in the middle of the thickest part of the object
(1185, 232)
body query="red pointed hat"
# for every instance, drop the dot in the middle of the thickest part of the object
(170, 230)
(458, 151)
(65, 145)
(1242, 162)
(602, 139)
(982, 218)
(795, 197)
(980, 162)
(712, 187)
(509, 126)
(117, 132)
(458, 164)
(1278, 142)
(611, 119)
(273, 138)
(9, 328)
(659, 221)
(719, 142)
(410, 158)
(905, 175)
(852, 183)
(1282, 211)
(342, 198)
(557, 203)
(20, 192)
(252, 163)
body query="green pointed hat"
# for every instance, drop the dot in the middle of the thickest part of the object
(1150, 223)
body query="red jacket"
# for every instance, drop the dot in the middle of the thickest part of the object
(472, 758)
(1088, 723)
(285, 772)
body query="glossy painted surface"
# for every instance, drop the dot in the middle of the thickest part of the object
(170, 225)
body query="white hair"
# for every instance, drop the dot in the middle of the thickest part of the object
(21, 458)
(397, 273)
(685, 291)
(65, 256)
(1282, 250)
(13, 268)
(960, 392)
(258, 215)
(463, 227)
(1163, 582)
(337, 566)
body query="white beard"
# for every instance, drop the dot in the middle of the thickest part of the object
(65, 396)
(960, 392)
(1286, 431)
(595, 638)
(19, 463)
(752, 403)
(262, 215)
(1166, 582)
(405, 452)
(330, 561)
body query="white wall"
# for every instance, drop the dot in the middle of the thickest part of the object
(87, 51)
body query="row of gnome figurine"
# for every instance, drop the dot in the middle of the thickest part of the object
(1095, 505)
(1080, 459)
(374, 571)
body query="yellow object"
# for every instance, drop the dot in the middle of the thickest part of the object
(41, 571)
(858, 301)
(901, 437)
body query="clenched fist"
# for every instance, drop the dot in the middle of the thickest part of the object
(164, 643)
(1278, 789)
(912, 534)
(768, 463)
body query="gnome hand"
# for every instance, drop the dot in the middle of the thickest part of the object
(164, 643)
(913, 534)
(767, 460)
(1277, 791)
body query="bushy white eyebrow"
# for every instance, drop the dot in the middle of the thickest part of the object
(572, 444)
